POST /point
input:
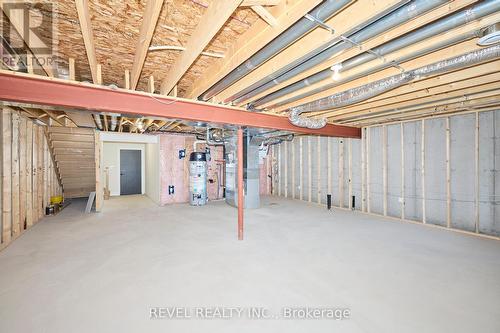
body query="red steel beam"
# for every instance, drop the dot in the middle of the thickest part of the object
(33, 89)
(241, 203)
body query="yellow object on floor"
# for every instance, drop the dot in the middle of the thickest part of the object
(56, 199)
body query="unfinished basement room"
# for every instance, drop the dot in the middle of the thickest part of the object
(250, 166)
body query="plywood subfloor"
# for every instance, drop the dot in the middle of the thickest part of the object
(102, 272)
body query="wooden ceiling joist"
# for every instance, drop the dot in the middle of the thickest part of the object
(344, 21)
(211, 22)
(438, 55)
(467, 77)
(149, 20)
(265, 15)
(445, 53)
(82, 7)
(257, 36)
(398, 31)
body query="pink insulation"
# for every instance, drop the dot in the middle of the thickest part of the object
(264, 172)
(175, 171)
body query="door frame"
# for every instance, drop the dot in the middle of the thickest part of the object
(143, 167)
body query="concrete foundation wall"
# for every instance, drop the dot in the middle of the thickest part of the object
(442, 171)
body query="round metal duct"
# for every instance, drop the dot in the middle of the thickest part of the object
(490, 35)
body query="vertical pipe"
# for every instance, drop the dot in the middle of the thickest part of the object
(476, 180)
(309, 169)
(384, 168)
(279, 169)
(368, 194)
(448, 175)
(301, 168)
(240, 184)
(319, 169)
(341, 173)
(293, 144)
(329, 165)
(403, 199)
(363, 170)
(286, 169)
(349, 159)
(422, 154)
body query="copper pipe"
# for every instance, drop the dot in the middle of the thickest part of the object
(240, 184)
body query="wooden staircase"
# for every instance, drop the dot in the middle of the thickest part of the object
(74, 155)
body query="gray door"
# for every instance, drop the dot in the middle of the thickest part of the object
(130, 172)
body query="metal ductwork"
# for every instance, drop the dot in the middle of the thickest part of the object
(97, 119)
(370, 90)
(295, 32)
(446, 43)
(440, 26)
(325, 52)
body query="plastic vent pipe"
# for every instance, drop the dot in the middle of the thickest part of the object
(326, 51)
(296, 31)
(440, 26)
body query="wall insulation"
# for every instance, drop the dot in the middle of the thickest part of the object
(29, 176)
(441, 171)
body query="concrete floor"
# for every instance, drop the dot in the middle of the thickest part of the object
(102, 272)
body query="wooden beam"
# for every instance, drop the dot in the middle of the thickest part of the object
(23, 178)
(151, 84)
(249, 3)
(6, 175)
(210, 23)
(71, 70)
(25, 88)
(265, 15)
(344, 21)
(149, 20)
(257, 36)
(29, 173)
(451, 51)
(409, 25)
(82, 8)
(40, 173)
(467, 101)
(16, 216)
(99, 195)
(428, 94)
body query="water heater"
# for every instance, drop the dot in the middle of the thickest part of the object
(198, 179)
